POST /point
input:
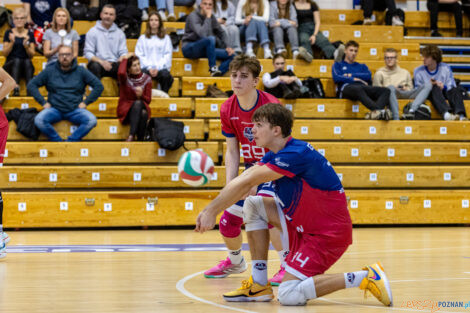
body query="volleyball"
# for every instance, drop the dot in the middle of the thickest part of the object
(195, 168)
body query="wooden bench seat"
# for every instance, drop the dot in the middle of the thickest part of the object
(370, 130)
(181, 207)
(125, 176)
(22, 153)
(106, 106)
(390, 152)
(110, 129)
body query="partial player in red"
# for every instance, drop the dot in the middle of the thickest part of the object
(7, 85)
(310, 204)
(235, 115)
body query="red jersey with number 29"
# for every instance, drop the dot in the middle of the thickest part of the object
(236, 122)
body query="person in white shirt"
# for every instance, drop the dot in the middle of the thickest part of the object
(154, 50)
(253, 15)
(224, 11)
(282, 83)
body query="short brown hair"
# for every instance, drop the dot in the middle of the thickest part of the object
(276, 115)
(351, 43)
(432, 51)
(278, 56)
(251, 63)
(391, 50)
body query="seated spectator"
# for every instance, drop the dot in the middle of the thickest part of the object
(40, 12)
(65, 82)
(204, 38)
(18, 47)
(105, 45)
(353, 79)
(398, 80)
(61, 33)
(369, 5)
(155, 51)
(283, 20)
(443, 84)
(83, 9)
(282, 83)
(434, 6)
(253, 15)
(224, 11)
(308, 16)
(135, 94)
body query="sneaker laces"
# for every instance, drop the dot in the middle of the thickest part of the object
(223, 263)
(246, 284)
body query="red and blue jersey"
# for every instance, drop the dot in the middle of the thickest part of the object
(236, 122)
(310, 193)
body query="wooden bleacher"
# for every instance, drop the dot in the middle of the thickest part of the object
(396, 172)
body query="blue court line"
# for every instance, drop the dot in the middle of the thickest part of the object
(117, 248)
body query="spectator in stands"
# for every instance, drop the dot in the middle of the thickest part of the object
(83, 9)
(434, 6)
(282, 83)
(353, 80)
(308, 15)
(161, 6)
(135, 94)
(398, 80)
(225, 13)
(18, 47)
(105, 45)
(204, 38)
(444, 87)
(40, 12)
(283, 20)
(65, 82)
(369, 5)
(154, 51)
(61, 33)
(253, 15)
(7, 84)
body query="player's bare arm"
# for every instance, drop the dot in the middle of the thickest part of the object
(233, 192)
(232, 159)
(8, 83)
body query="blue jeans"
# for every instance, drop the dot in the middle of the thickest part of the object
(82, 117)
(205, 48)
(144, 4)
(254, 29)
(170, 4)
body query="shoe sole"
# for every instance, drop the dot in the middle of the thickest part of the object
(386, 283)
(265, 298)
(216, 276)
(274, 284)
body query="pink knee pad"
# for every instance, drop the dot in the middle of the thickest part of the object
(230, 225)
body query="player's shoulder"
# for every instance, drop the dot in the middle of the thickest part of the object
(296, 147)
(267, 97)
(227, 104)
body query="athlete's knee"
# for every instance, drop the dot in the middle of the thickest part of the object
(230, 225)
(289, 293)
(254, 214)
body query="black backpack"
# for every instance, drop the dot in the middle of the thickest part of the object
(315, 87)
(5, 16)
(169, 134)
(422, 113)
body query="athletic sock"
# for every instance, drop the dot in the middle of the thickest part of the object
(249, 46)
(259, 271)
(282, 257)
(235, 256)
(354, 279)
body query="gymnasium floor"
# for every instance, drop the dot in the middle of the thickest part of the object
(161, 271)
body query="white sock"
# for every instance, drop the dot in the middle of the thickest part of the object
(354, 279)
(249, 46)
(259, 271)
(266, 47)
(282, 256)
(447, 116)
(235, 256)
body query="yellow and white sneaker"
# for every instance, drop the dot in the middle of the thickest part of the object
(377, 284)
(250, 291)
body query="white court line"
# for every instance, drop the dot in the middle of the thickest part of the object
(180, 287)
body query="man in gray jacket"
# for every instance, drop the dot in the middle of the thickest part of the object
(204, 38)
(105, 45)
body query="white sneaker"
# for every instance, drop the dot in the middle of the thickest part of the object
(367, 21)
(268, 54)
(145, 15)
(250, 53)
(162, 15)
(396, 21)
(5, 238)
(339, 53)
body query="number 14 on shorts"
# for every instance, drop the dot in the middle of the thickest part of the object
(298, 258)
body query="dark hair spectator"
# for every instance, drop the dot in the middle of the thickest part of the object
(282, 83)
(18, 47)
(135, 94)
(155, 51)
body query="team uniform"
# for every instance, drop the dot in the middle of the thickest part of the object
(312, 199)
(236, 122)
(4, 239)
